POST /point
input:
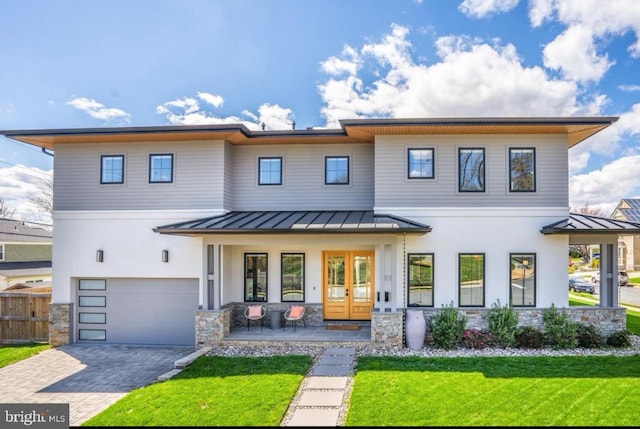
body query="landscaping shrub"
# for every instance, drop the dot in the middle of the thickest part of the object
(559, 331)
(528, 337)
(502, 323)
(476, 339)
(589, 336)
(447, 326)
(619, 339)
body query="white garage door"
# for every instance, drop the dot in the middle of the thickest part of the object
(137, 311)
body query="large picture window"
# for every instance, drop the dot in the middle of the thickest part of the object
(471, 279)
(471, 170)
(336, 170)
(420, 164)
(292, 269)
(420, 278)
(111, 169)
(255, 277)
(161, 168)
(270, 171)
(522, 279)
(522, 169)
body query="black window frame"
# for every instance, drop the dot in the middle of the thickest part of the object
(270, 158)
(484, 279)
(326, 160)
(102, 170)
(151, 169)
(533, 169)
(408, 285)
(2, 252)
(533, 257)
(483, 180)
(433, 163)
(303, 276)
(255, 279)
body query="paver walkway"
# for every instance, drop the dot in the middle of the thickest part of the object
(88, 377)
(325, 391)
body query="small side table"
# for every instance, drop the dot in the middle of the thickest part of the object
(276, 319)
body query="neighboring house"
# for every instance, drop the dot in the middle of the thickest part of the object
(628, 245)
(165, 234)
(25, 253)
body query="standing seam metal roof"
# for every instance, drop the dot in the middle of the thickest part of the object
(589, 224)
(312, 221)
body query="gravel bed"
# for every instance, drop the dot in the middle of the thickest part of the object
(427, 351)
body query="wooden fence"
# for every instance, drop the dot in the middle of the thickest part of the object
(24, 317)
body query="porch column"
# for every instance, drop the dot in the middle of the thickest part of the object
(212, 277)
(608, 276)
(384, 293)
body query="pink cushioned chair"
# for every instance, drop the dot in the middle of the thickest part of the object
(255, 313)
(293, 315)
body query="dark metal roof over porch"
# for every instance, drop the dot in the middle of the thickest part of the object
(588, 224)
(296, 222)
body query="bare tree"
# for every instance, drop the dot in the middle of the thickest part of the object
(43, 199)
(6, 211)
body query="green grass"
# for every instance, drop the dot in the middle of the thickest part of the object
(214, 391)
(13, 353)
(500, 391)
(634, 280)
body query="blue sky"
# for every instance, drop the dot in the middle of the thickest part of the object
(75, 64)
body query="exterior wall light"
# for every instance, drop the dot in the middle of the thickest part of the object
(165, 256)
(99, 256)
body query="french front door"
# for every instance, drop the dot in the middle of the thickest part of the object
(347, 285)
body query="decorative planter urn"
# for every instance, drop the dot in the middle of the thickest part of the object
(415, 329)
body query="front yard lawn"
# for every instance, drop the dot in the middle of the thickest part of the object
(500, 391)
(214, 391)
(14, 353)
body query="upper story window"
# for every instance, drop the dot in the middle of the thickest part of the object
(1, 252)
(336, 170)
(270, 171)
(471, 170)
(420, 164)
(522, 169)
(112, 169)
(161, 168)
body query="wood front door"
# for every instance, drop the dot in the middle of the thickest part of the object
(348, 285)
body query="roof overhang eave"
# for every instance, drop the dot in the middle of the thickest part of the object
(298, 231)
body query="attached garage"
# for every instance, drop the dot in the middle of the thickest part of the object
(136, 311)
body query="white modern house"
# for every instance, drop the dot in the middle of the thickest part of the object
(164, 234)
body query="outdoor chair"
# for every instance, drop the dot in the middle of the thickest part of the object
(294, 314)
(255, 313)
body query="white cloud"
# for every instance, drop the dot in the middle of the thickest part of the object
(574, 54)
(188, 111)
(99, 111)
(604, 188)
(17, 184)
(471, 78)
(541, 11)
(214, 100)
(484, 8)
(629, 88)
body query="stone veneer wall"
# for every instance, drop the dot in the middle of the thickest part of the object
(212, 326)
(387, 328)
(609, 320)
(60, 324)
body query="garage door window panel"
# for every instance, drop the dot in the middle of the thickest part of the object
(92, 284)
(93, 335)
(94, 318)
(92, 301)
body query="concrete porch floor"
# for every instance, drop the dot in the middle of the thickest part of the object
(311, 335)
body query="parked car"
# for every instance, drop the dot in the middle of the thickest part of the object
(623, 278)
(577, 284)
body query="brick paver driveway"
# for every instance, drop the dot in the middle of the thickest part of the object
(87, 377)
